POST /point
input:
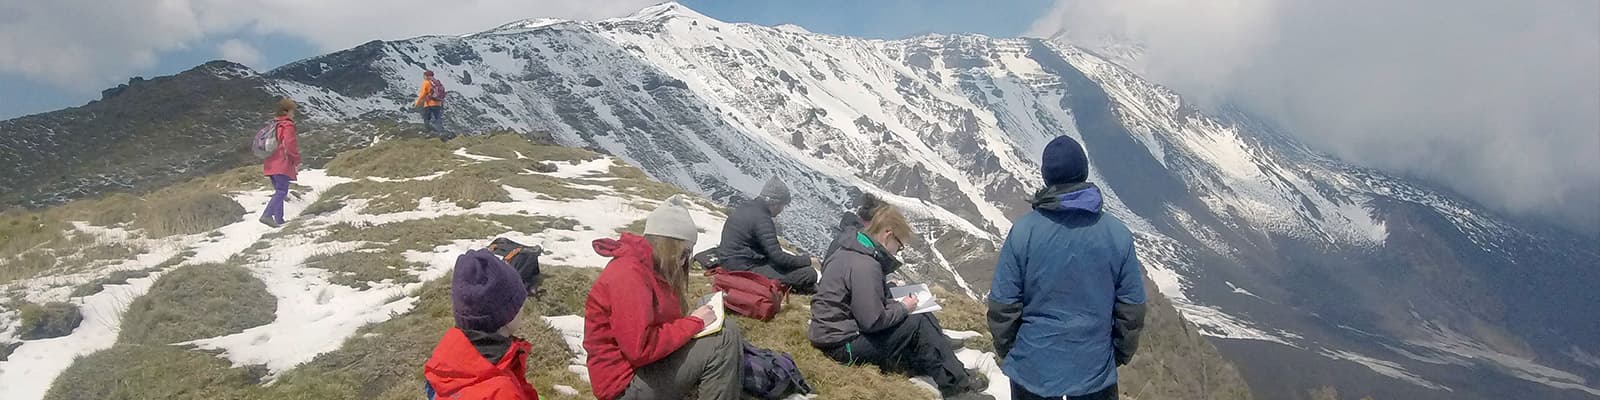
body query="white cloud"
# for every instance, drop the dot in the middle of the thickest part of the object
(240, 52)
(87, 44)
(1499, 100)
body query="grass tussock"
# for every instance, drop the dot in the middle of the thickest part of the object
(22, 231)
(426, 234)
(197, 302)
(135, 371)
(465, 191)
(554, 188)
(115, 278)
(360, 268)
(54, 319)
(187, 212)
(404, 158)
(508, 146)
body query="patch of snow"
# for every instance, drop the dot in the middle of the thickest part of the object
(961, 335)
(571, 329)
(984, 362)
(1449, 341)
(30, 370)
(1383, 367)
(1240, 290)
(565, 390)
(462, 152)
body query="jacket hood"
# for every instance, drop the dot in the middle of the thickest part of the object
(861, 243)
(629, 246)
(458, 362)
(1077, 196)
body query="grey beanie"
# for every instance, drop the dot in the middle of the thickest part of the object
(775, 192)
(671, 219)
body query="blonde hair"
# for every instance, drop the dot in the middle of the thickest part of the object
(672, 263)
(887, 218)
(286, 107)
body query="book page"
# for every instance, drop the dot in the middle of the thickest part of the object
(715, 300)
(925, 300)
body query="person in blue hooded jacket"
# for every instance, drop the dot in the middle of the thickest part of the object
(1068, 298)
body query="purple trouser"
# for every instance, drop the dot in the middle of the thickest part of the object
(280, 189)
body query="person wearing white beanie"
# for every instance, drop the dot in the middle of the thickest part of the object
(672, 220)
(639, 332)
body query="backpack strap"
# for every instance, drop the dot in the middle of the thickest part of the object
(513, 254)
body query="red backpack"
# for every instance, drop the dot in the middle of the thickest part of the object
(748, 293)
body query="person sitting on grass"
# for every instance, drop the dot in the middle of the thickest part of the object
(854, 321)
(640, 343)
(479, 358)
(750, 242)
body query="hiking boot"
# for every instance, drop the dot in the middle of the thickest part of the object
(265, 220)
(977, 381)
(969, 395)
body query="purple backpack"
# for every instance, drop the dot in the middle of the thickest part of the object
(437, 94)
(772, 375)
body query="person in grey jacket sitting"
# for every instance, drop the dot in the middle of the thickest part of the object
(854, 321)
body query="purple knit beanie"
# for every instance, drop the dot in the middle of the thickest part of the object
(485, 292)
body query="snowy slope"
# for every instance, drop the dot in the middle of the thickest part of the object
(949, 127)
(1252, 235)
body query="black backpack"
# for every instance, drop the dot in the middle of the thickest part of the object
(772, 375)
(524, 259)
(708, 259)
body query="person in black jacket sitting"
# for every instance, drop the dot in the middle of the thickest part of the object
(750, 242)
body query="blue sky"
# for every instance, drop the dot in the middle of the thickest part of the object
(874, 19)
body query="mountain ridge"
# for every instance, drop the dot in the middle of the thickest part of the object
(949, 127)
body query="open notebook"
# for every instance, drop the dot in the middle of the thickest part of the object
(715, 300)
(925, 301)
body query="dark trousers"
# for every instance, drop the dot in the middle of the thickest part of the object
(433, 117)
(1018, 393)
(280, 189)
(801, 280)
(917, 346)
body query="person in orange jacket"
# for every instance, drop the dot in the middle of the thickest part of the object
(479, 359)
(431, 100)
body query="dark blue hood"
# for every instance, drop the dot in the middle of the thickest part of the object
(1077, 196)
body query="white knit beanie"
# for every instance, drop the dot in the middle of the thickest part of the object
(671, 219)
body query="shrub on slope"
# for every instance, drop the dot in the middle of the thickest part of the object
(197, 302)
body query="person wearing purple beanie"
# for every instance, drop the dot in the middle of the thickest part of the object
(479, 358)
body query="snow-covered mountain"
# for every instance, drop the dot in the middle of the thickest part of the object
(1293, 260)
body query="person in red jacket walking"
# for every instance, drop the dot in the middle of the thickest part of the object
(283, 165)
(479, 359)
(639, 341)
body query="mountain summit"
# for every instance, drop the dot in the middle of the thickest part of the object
(1304, 270)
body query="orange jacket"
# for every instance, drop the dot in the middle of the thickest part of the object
(423, 97)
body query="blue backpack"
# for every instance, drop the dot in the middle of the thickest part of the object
(772, 375)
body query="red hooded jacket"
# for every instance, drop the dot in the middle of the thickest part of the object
(457, 371)
(285, 160)
(631, 318)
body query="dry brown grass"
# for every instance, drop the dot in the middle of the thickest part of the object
(360, 268)
(180, 211)
(196, 302)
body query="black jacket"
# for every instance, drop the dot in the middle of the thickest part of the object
(750, 239)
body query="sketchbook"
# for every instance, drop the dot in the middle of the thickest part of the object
(925, 301)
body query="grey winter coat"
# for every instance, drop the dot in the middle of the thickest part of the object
(852, 297)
